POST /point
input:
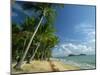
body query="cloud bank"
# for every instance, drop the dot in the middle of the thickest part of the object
(78, 46)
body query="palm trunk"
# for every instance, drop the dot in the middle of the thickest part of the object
(34, 52)
(24, 45)
(29, 44)
(42, 56)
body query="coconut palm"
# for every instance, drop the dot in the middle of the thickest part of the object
(45, 35)
(44, 9)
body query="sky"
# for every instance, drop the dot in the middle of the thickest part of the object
(75, 27)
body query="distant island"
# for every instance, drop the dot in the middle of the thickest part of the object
(77, 55)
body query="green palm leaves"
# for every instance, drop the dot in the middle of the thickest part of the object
(37, 34)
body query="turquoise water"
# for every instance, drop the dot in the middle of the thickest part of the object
(84, 62)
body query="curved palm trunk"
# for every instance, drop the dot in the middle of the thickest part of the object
(29, 44)
(34, 52)
(24, 44)
(42, 55)
(18, 59)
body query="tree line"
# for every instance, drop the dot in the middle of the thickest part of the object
(35, 37)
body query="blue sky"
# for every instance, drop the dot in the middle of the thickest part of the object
(75, 27)
(72, 15)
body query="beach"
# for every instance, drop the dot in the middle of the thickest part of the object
(82, 61)
(44, 66)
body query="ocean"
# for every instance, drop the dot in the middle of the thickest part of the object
(82, 61)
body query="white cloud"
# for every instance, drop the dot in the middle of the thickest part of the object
(17, 6)
(69, 48)
(85, 46)
(86, 29)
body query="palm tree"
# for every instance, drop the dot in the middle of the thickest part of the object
(45, 34)
(38, 45)
(44, 10)
(28, 46)
(16, 29)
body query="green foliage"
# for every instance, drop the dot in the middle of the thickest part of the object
(45, 35)
(28, 24)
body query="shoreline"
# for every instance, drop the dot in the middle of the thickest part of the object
(37, 66)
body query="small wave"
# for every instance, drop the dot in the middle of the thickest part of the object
(78, 64)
